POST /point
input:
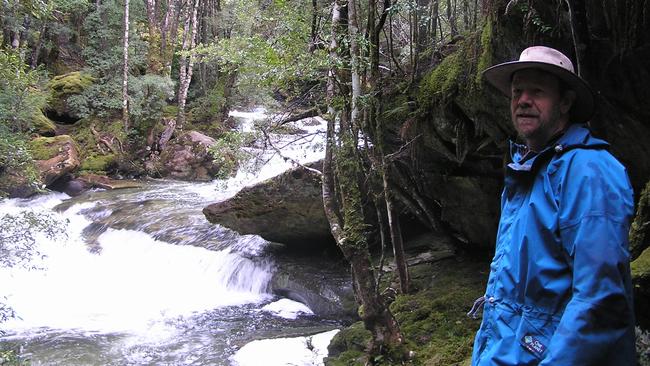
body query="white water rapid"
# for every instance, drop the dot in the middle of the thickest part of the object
(141, 278)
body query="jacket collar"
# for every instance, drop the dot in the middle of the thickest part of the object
(575, 136)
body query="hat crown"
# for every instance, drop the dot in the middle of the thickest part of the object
(546, 55)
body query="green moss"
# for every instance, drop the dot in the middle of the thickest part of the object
(71, 83)
(433, 321)
(348, 346)
(459, 74)
(98, 163)
(42, 124)
(443, 81)
(641, 266)
(86, 140)
(43, 148)
(640, 229)
(170, 111)
(485, 59)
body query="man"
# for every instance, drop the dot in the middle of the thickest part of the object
(559, 290)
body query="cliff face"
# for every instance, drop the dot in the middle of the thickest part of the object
(459, 126)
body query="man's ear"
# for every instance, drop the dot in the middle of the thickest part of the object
(568, 98)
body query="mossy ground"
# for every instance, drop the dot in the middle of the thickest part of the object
(433, 319)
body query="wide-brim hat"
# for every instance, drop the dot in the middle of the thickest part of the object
(554, 62)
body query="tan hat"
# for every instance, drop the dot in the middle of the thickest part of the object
(549, 60)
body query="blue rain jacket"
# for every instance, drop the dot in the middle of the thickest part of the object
(559, 290)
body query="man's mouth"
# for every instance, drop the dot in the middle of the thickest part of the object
(526, 115)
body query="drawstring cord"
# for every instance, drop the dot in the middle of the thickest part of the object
(478, 306)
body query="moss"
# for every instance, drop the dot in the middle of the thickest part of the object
(459, 74)
(433, 321)
(443, 81)
(170, 111)
(641, 266)
(43, 125)
(98, 163)
(86, 140)
(71, 83)
(640, 229)
(348, 346)
(43, 148)
(485, 60)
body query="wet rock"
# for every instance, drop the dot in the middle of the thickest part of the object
(287, 209)
(55, 157)
(187, 158)
(321, 283)
(104, 182)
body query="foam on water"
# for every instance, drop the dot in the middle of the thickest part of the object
(304, 351)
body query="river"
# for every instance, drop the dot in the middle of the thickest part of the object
(140, 277)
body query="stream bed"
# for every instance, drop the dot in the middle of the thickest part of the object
(140, 277)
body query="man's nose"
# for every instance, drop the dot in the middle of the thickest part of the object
(524, 99)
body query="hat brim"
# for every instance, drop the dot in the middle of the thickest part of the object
(500, 77)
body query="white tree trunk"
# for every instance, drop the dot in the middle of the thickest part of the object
(125, 81)
(187, 62)
(353, 30)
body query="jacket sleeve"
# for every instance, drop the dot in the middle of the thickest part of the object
(595, 207)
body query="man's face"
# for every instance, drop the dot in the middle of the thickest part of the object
(537, 108)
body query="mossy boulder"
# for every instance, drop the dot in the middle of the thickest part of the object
(43, 125)
(286, 209)
(63, 86)
(18, 184)
(348, 346)
(98, 163)
(186, 157)
(55, 157)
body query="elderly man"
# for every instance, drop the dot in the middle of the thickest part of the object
(559, 290)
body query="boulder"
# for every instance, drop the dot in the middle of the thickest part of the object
(43, 125)
(104, 182)
(187, 158)
(287, 209)
(62, 87)
(55, 157)
(320, 281)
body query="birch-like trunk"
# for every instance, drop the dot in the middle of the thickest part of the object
(125, 75)
(187, 61)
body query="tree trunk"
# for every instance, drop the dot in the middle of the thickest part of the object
(433, 27)
(466, 15)
(168, 36)
(125, 74)
(187, 62)
(451, 17)
(39, 44)
(423, 39)
(341, 186)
